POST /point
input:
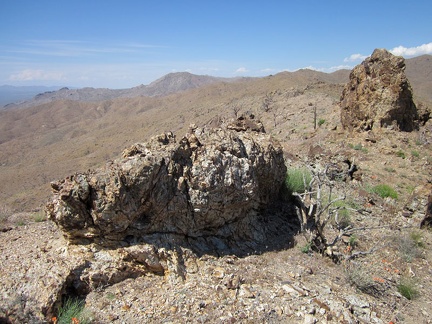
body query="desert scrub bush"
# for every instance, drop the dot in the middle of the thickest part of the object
(39, 216)
(417, 238)
(297, 180)
(4, 214)
(401, 154)
(358, 276)
(353, 240)
(409, 246)
(342, 219)
(407, 288)
(306, 248)
(385, 191)
(73, 311)
(321, 121)
(359, 147)
(415, 154)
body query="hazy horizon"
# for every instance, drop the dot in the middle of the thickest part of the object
(121, 45)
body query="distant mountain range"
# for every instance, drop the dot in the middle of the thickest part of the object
(418, 70)
(24, 97)
(12, 94)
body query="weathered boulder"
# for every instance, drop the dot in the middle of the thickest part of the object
(379, 94)
(213, 181)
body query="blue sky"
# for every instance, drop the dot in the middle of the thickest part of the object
(124, 43)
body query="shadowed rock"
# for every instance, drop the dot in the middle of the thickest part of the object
(379, 94)
(427, 221)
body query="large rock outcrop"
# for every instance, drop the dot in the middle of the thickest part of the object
(379, 94)
(212, 182)
(427, 221)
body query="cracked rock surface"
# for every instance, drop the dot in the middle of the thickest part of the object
(212, 182)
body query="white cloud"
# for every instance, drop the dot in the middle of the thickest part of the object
(323, 69)
(241, 70)
(268, 70)
(32, 75)
(412, 51)
(355, 57)
(338, 67)
(72, 48)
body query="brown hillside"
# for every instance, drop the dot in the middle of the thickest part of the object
(377, 270)
(47, 142)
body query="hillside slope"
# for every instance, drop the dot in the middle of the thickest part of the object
(43, 143)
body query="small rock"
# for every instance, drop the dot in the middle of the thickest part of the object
(309, 319)
(218, 273)
(246, 292)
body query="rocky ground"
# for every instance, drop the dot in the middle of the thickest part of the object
(280, 286)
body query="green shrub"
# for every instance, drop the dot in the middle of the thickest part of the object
(359, 147)
(407, 289)
(353, 240)
(385, 191)
(306, 248)
(39, 217)
(417, 238)
(415, 154)
(400, 154)
(344, 214)
(74, 308)
(296, 179)
(321, 121)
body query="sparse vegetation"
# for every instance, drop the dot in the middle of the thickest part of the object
(4, 214)
(111, 296)
(409, 245)
(39, 216)
(415, 154)
(297, 180)
(358, 277)
(417, 238)
(401, 154)
(73, 311)
(341, 219)
(306, 248)
(373, 226)
(407, 288)
(320, 204)
(359, 147)
(353, 240)
(384, 191)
